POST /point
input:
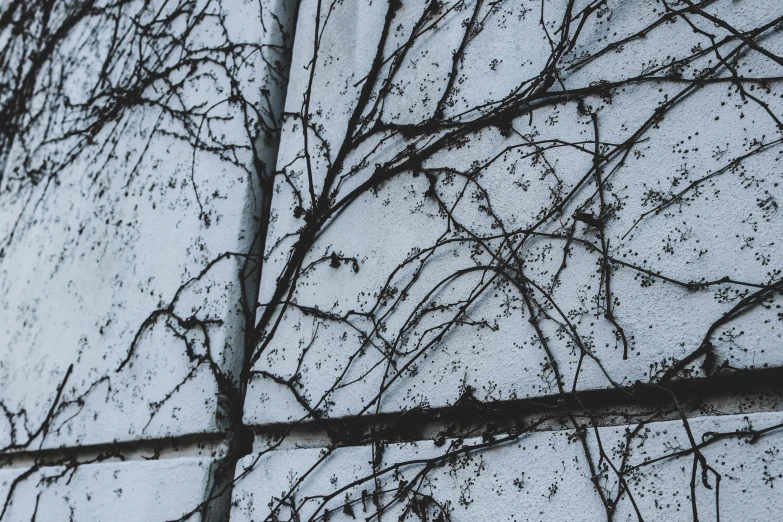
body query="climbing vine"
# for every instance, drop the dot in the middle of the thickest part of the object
(488, 220)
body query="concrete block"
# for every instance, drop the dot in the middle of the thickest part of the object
(129, 210)
(430, 248)
(120, 491)
(534, 476)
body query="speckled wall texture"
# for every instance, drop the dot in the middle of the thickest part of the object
(428, 260)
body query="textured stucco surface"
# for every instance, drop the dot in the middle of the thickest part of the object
(119, 264)
(364, 312)
(120, 491)
(539, 476)
(130, 200)
(728, 226)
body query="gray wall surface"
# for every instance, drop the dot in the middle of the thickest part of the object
(395, 260)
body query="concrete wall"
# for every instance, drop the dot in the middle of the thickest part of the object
(457, 260)
(135, 141)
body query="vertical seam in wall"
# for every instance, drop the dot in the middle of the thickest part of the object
(217, 504)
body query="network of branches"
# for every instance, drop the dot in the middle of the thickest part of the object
(494, 201)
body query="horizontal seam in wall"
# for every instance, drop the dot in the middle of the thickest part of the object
(185, 446)
(725, 393)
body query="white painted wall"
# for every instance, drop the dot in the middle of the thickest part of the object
(126, 491)
(683, 279)
(121, 313)
(540, 476)
(723, 232)
(122, 247)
